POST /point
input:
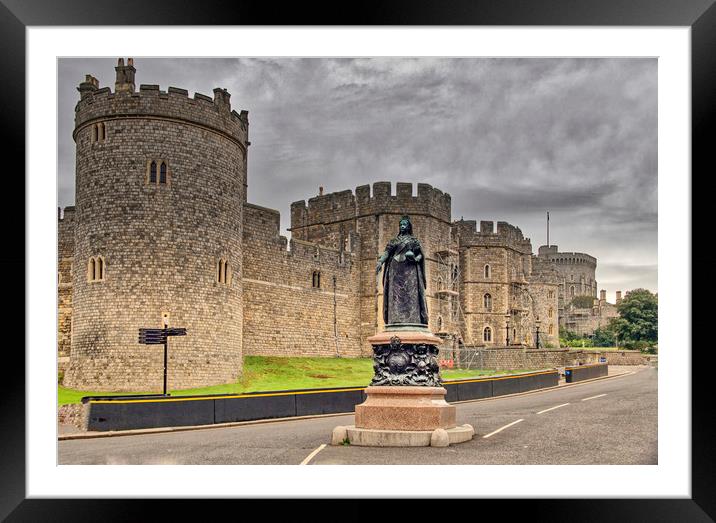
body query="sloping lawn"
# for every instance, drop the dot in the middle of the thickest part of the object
(263, 373)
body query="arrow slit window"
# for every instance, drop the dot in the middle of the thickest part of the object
(223, 274)
(95, 269)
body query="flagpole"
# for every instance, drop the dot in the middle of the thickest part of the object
(547, 228)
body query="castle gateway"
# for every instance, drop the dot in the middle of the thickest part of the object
(161, 226)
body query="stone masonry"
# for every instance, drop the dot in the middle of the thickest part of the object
(161, 225)
(147, 244)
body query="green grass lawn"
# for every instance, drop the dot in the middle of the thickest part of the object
(599, 349)
(269, 373)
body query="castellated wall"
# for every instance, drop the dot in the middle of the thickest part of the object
(160, 242)
(65, 254)
(373, 218)
(507, 253)
(284, 314)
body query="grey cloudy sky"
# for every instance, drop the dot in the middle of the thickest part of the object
(508, 138)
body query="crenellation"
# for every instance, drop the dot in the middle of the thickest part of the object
(316, 294)
(97, 104)
(178, 91)
(404, 191)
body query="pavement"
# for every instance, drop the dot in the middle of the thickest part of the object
(603, 421)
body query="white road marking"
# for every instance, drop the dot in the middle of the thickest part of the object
(593, 397)
(313, 454)
(552, 408)
(502, 428)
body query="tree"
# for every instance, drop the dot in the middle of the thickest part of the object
(603, 337)
(638, 318)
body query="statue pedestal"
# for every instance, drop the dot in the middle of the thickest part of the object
(405, 408)
(405, 405)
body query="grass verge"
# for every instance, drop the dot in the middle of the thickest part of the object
(263, 373)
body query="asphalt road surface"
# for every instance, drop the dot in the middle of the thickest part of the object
(611, 421)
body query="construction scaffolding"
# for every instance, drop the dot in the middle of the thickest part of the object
(450, 316)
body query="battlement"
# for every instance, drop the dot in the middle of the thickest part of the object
(344, 205)
(566, 258)
(262, 227)
(544, 271)
(506, 235)
(98, 104)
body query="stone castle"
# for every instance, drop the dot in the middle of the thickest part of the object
(161, 227)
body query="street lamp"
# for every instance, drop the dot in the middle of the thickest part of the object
(537, 323)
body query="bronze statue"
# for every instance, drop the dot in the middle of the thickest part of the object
(404, 279)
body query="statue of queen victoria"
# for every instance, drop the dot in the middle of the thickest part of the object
(404, 303)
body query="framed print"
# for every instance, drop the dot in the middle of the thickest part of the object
(637, 62)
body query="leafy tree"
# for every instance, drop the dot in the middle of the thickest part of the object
(567, 335)
(603, 337)
(638, 318)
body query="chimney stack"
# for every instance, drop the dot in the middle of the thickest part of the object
(320, 191)
(125, 76)
(90, 85)
(602, 295)
(619, 297)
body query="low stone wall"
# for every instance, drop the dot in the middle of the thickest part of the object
(73, 414)
(523, 358)
(626, 357)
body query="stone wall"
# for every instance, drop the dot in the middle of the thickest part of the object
(284, 314)
(65, 253)
(584, 321)
(329, 220)
(520, 358)
(161, 243)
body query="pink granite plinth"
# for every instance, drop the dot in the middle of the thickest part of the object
(405, 408)
(406, 337)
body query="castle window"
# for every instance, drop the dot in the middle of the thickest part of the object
(550, 312)
(487, 300)
(440, 323)
(98, 132)
(571, 291)
(316, 284)
(550, 294)
(223, 274)
(95, 269)
(488, 271)
(163, 173)
(157, 172)
(487, 334)
(551, 329)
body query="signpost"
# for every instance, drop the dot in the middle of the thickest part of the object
(159, 337)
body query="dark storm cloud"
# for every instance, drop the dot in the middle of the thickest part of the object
(509, 139)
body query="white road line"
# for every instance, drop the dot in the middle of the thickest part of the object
(593, 397)
(313, 454)
(502, 428)
(552, 408)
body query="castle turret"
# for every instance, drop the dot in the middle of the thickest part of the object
(619, 297)
(602, 295)
(160, 186)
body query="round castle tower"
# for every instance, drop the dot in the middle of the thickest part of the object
(160, 187)
(577, 269)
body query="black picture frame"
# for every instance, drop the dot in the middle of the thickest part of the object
(699, 15)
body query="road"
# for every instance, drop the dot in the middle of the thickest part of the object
(610, 421)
